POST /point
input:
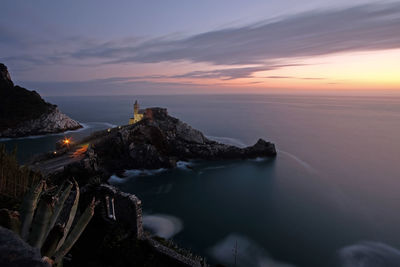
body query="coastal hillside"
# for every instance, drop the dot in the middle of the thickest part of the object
(24, 112)
(157, 141)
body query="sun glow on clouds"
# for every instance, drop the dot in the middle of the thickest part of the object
(334, 48)
(356, 70)
(361, 70)
(372, 70)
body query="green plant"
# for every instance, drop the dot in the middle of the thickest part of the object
(41, 225)
(15, 181)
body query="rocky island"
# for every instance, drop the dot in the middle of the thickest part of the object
(24, 112)
(156, 141)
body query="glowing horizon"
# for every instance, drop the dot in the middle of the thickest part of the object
(335, 47)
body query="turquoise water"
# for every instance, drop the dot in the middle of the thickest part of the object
(334, 184)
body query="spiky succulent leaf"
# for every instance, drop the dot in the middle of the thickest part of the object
(28, 208)
(72, 214)
(60, 187)
(72, 237)
(41, 221)
(59, 205)
(49, 246)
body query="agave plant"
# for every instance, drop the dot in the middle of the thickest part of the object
(40, 219)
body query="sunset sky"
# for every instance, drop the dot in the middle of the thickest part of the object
(103, 47)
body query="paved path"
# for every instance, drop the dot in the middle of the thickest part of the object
(58, 163)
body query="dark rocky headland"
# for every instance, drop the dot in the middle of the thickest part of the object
(157, 141)
(24, 112)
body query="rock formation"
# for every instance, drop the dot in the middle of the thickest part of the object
(24, 112)
(157, 141)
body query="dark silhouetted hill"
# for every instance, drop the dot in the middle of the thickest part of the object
(24, 112)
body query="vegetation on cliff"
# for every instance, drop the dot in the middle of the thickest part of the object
(15, 180)
(47, 221)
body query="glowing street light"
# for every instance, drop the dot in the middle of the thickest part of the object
(66, 141)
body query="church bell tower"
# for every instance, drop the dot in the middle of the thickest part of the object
(136, 108)
(137, 115)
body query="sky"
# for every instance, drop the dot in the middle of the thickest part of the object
(102, 47)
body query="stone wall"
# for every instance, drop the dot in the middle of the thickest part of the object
(128, 214)
(128, 209)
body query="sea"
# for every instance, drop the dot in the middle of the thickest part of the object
(331, 197)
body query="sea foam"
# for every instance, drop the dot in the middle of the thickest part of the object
(369, 254)
(163, 225)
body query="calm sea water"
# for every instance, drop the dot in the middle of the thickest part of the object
(334, 186)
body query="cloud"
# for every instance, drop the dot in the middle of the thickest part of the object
(231, 73)
(8, 37)
(223, 74)
(108, 86)
(279, 77)
(293, 77)
(359, 28)
(233, 52)
(30, 60)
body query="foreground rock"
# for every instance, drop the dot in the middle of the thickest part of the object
(120, 240)
(24, 112)
(157, 141)
(14, 252)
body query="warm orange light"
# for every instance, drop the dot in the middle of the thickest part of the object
(80, 151)
(67, 141)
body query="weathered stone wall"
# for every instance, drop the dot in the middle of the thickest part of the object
(128, 213)
(128, 209)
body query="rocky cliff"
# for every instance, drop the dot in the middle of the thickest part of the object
(52, 122)
(157, 141)
(24, 112)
